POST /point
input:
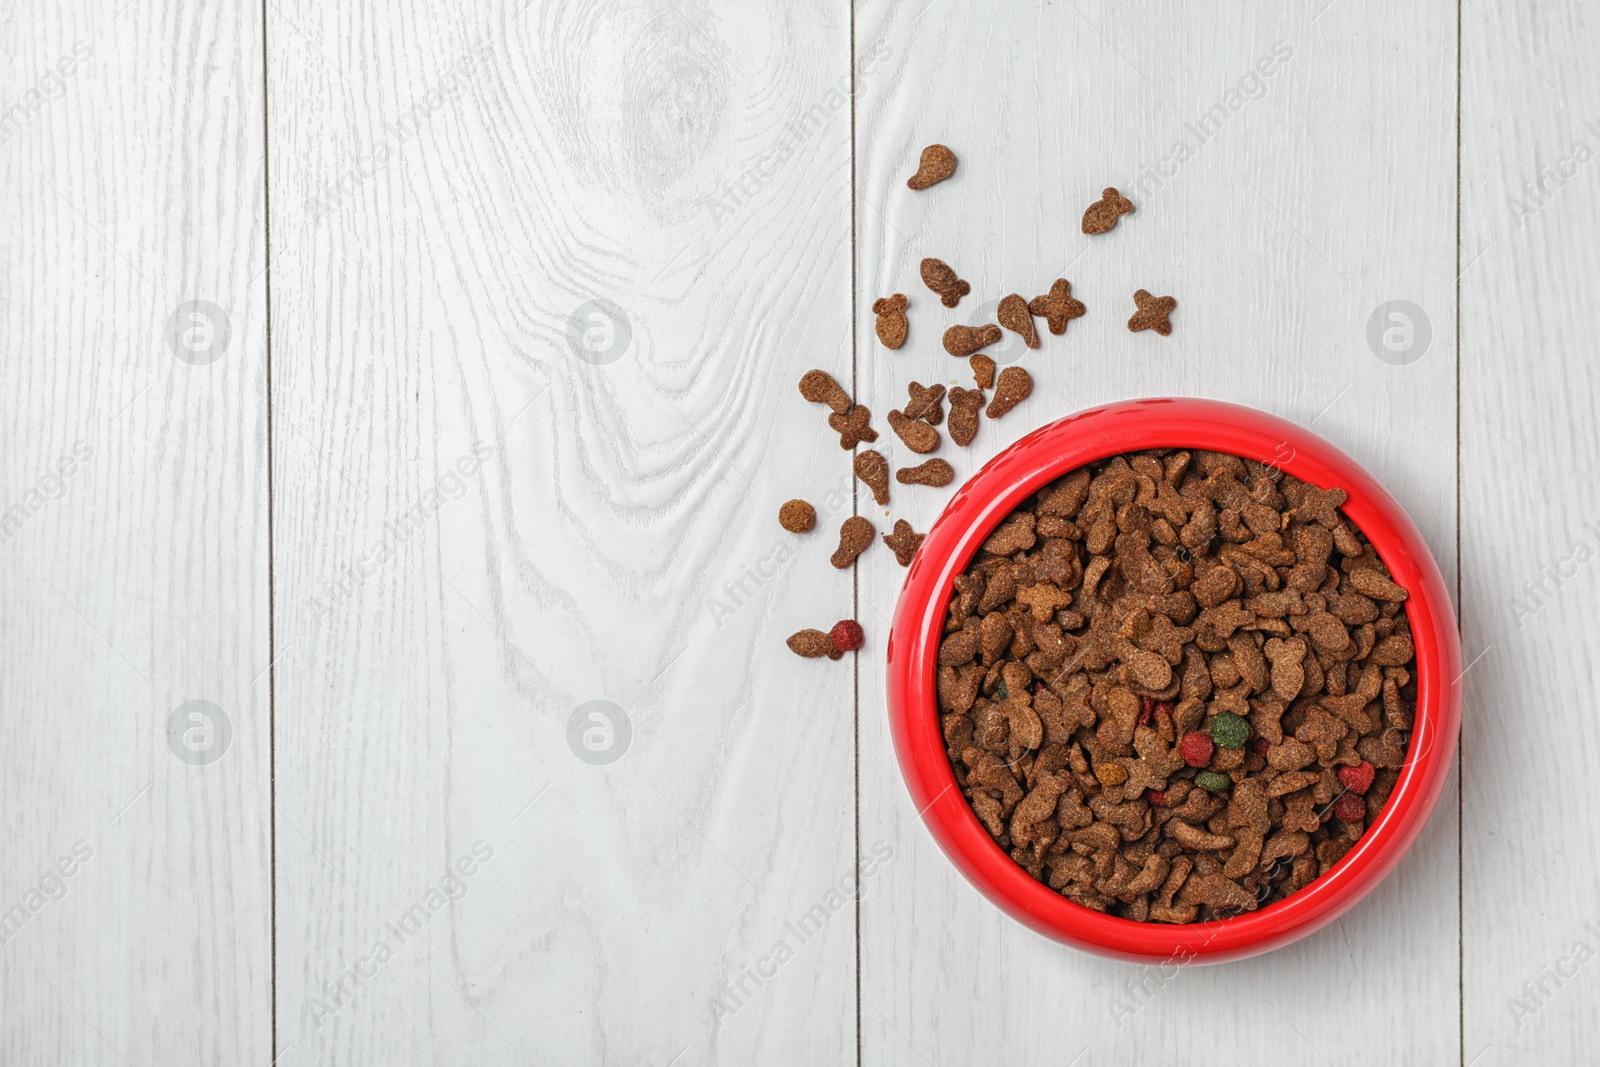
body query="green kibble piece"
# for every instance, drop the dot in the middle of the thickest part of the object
(1213, 781)
(1229, 730)
(1002, 692)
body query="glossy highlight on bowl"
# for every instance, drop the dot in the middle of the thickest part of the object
(1099, 433)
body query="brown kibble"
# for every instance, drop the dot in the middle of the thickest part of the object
(1375, 584)
(937, 164)
(982, 371)
(797, 516)
(903, 542)
(927, 403)
(872, 468)
(855, 537)
(892, 325)
(1014, 315)
(819, 387)
(853, 426)
(917, 435)
(1013, 388)
(1057, 307)
(935, 472)
(1103, 213)
(1152, 313)
(813, 643)
(1110, 774)
(964, 340)
(941, 278)
(965, 404)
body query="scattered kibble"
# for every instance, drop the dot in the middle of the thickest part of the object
(892, 324)
(917, 435)
(1103, 213)
(927, 403)
(903, 542)
(1057, 307)
(965, 405)
(797, 516)
(962, 340)
(813, 643)
(855, 537)
(935, 472)
(854, 426)
(1013, 388)
(1152, 313)
(1014, 315)
(941, 278)
(937, 164)
(982, 371)
(819, 387)
(846, 635)
(873, 469)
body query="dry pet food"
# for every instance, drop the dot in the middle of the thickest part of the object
(1013, 388)
(1176, 686)
(965, 340)
(797, 516)
(846, 635)
(1057, 307)
(982, 371)
(937, 164)
(935, 472)
(1014, 315)
(965, 404)
(917, 435)
(892, 325)
(855, 537)
(1152, 313)
(819, 387)
(903, 542)
(1103, 213)
(938, 276)
(873, 469)
(813, 643)
(853, 426)
(926, 403)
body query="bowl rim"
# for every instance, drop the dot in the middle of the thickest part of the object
(1094, 434)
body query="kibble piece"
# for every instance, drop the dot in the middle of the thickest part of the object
(1014, 315)
(892, 325)
(962, 341)
(965, 404)
(813, 643)
(918, 436)
(937, 164)
(941, 278)
(1012, 389)
(797, 516)
(872, 468)
(853, 426)
(855, 537)
(935, 472)
(982, 371)
(1057, 307)
(926, 403)
(1152, 313)
(819, 387)
(1103, 213)
(847, 635)
(903, 542)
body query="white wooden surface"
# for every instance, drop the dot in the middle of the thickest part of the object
(473, 531)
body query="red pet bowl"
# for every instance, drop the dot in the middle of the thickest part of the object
(1047, 454)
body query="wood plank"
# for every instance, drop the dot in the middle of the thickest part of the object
(1304, 200)
(603, 530)
(1530, 134)
(133, 542)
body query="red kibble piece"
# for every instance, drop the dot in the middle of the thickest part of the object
(1260, 746)
(1351, 808)
(1196, 748)
(1147, 708)
(1163, 706)
(1357, 779)
(1156, 797)
(846, 635)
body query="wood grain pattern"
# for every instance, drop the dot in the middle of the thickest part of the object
(1286, 223)
(1530, 514)
(133, 554)
(618, 540)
